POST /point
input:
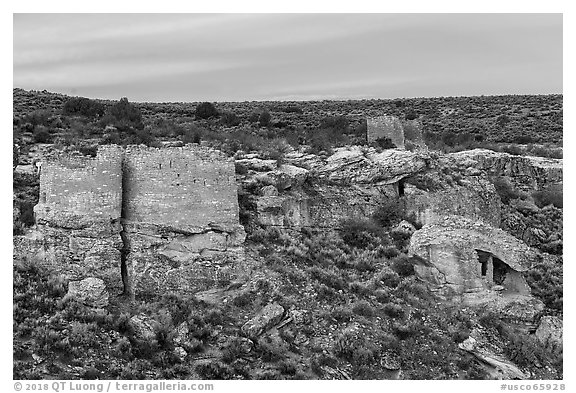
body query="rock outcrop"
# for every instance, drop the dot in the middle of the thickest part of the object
(473, 197)
(526, 172)
(91, 291)
(266, 318)
(496, 365)
(349, 183)
(550, 334)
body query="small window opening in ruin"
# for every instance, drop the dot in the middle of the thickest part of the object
(401, 187)
(500, 271)
(159, 166)
(483, 259)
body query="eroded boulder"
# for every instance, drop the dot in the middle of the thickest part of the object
(91, 292)
(266, 318)
(550, 333)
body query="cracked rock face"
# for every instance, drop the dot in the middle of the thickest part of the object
(526, 172)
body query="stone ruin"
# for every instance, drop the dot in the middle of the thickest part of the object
(144, 220)
(399, 132)
(477, 264)
(471, 256)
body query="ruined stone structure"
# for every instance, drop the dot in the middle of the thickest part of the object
(399, 132)
(144, 220)
(386, 127)
(470, 256)
(180, 218)
(79, 214)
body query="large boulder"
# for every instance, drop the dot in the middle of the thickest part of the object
(526, 172)
(266, 318)
(550, 333)
(142, 327)
(497, 366)
(357, 164)
(91, 292)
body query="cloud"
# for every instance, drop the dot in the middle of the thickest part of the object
(255, 56)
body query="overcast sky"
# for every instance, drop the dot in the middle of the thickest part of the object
(239, 57)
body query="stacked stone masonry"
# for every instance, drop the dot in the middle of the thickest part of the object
(166, 218)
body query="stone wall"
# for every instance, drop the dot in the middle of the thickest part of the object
(181, 219)
(79, 213)
(185, 188)
(386, 127)
(166, 218)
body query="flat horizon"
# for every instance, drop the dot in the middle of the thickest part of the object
(327, 99)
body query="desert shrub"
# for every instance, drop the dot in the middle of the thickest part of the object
(365, 263)
(327, 277)
(384, 143)
(411, 115)
(341, 314)
(264, 119)
(320, 141)
(27, 213)
(206, 110)
(405, 330)
(522, 349)
(83, 106)
(41, 135)
(550, 196)
(505, 190)
(244, 299)
(393, 310)
(359, 233)
(337, 124)
(512, 149)
(403, 266)
(542, 151)
(390, 252)
(287, 367)
(389, 212)
(229, 119)
(546, 282)
(126, 115)
(383, 295)
(523, 139)
(388, 277)
(324, 292)
(292, 109)
(232, 350)
(40, 117)
(363, 308)
(136, 369)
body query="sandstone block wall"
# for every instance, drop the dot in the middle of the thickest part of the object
(79, 215)
(386, 127)
(181, 219)
(179, 187)
(82, 185)
(166, 218)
